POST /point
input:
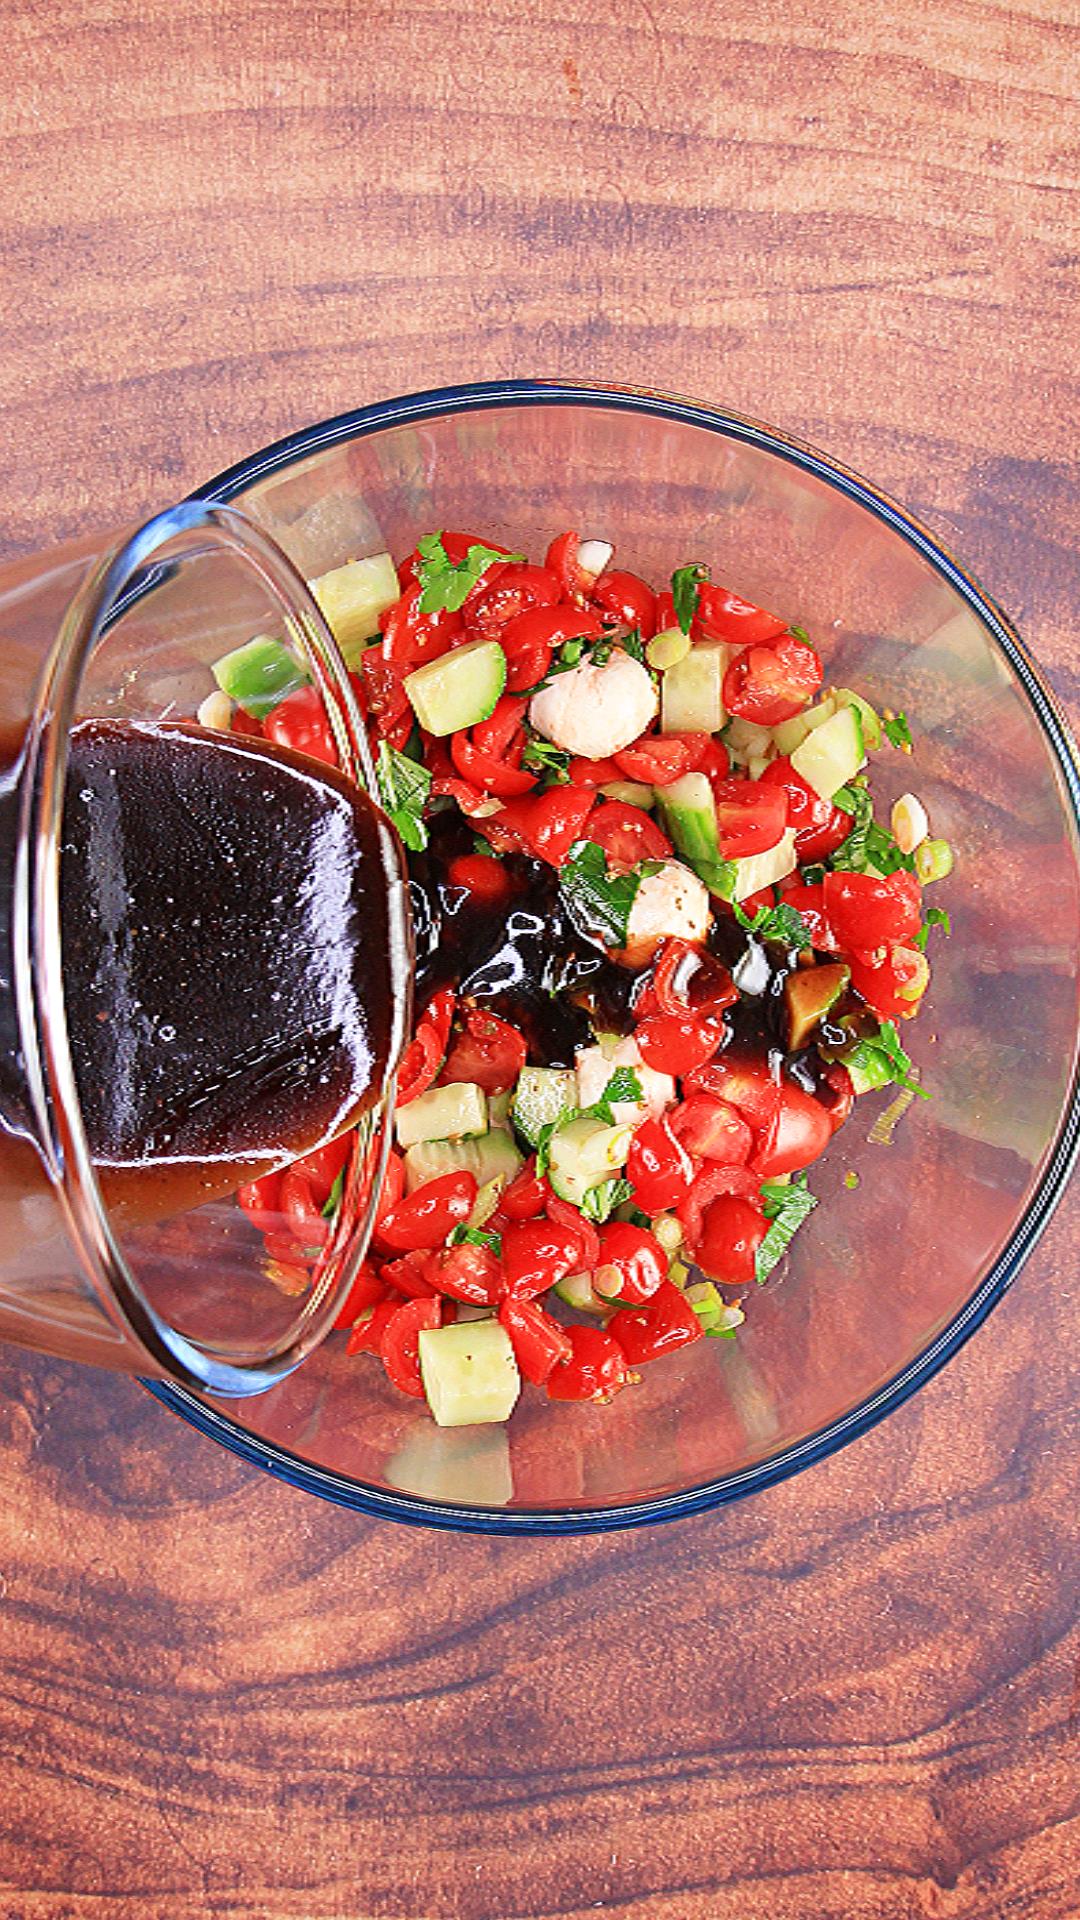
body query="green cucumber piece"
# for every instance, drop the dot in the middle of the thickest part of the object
(759, 870)
(688, 811)
(443, 1113)
(542, 1094)
(352, 598)
(499, 1109)
(259, 674)
(791, 733)
(459, 689)
(832, 754)
(692, 691)
(469, 1372)
(585, 1153)
(631, 793)
(868, 719)
(490, 1156)
(746, 741)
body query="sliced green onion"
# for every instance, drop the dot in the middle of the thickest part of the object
(668, 648)
(933, 861)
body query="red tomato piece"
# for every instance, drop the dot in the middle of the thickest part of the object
(411, 1275)
(750, 817)
(865, 912)
(246, 723)
(537, 1254)
(526, 1196)
(722, 615)
(895, 988)
(746, 1083)
(732, 1231)
(384, 691)
(687, 979)
(468, 1273)
(411, 637)
(631, 1263)
(715, 764)
(564, 1215)
(530, 639)
(668, 1322)
(561, 559)
(659, 758)
(424, 1055)
(367, 1333)
(809, 901)
(399, 1348)
(499, 777)
(798, 1133)
(627, 834)
(658, 1168)
(261, 1201)
(324, 1163)
(678, 1045)
(712, 1181)
(484, 878)
(302, 1210)
(838, 1094)
(367, 1290)
(592, 773)
(819, 826)
(490, 1052)
(548, 823)
(596, 1369)
(627, 598)
(518, 588)
(299, 721)
(429, 1214)
(393, 1185)
(711, 1129)
(773, 683)
(538, 1341)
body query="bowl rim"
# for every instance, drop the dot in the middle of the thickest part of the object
(411, 409)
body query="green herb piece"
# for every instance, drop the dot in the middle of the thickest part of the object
(934, 917)
(600, 902)
(600, 652)
(476, 1237)
(446, 584)
(633, 644)
(718, 1320)
(685, 591)
(543, 756)
(800, 634)
(480, 845)
(898, 732)
(881, 1060)
(623, 1085)
(600, 1202)
(869, 848)
(782, 923)
(812, 876)
(333, 1198)
(404, 787)
(786, 1207)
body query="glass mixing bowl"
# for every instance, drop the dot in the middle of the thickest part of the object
(886, 1280)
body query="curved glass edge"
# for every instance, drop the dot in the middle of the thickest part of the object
(1062, 1155)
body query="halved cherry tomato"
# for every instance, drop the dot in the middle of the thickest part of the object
(687, 979)
(866, 912)
(484, 878)
(324, 1163)
(399, 1348)
(429, 1214)
(299, 721)
(798, 1133)
(837, 1094)
(658, 1168)
(526, 1196)
(722, 615)
(384, 690)
(895, 988)
(659, 758)
(668, 1322)
(468, 1273)
(530, 639)
(627, 834)
(538, 1341)
(393, 1185)
(596, 1369)
(536, 1255)
(424, 1055)
(678, 1045)
(709, 1183)
(366, 1291)
(770, 684)
(561, 559)
(301, 1208)
(712, 1129)
(628, 599)
(246, 723)
(261, 1201)
(745, 1082)
(496, 776)
(564, 1215)
(490, 1052)
(750, 817)
(411, 1274)
(411, 637)
(517, 588)
(732, 1231)
(366, 1335)
(630, 1265)
(592, 773)
(548, 823)
(819, 826)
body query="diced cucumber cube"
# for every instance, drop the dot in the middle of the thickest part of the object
(790, 734)
(688, 811)
(469, 1372)
(491, 1156)
(458, 689)
(868, 719)
(542, 1094)
(443, 1113)
(352, 598)
(583, 1154)
(691, 692)
(759, 870)
(259, 674)
(631, 792)
(832, 754)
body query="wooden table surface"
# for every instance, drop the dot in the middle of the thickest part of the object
(859, 1694)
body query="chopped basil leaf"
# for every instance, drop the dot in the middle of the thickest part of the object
(480, 845)
(786, 1207)
(685, 585)
(446, 584)
(935, 917)
(403, 790)
(869, 848)
(600, 1202)
(782, 923)
(800, 634)
(476, 1237)
(632, 644)
(882, 1061)
(333, 1198)
(542, 756)
(898, 732)
(600, 652)
(600, 902)
(623, 1085)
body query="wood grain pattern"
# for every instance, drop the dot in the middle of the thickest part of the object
(858, 1695)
